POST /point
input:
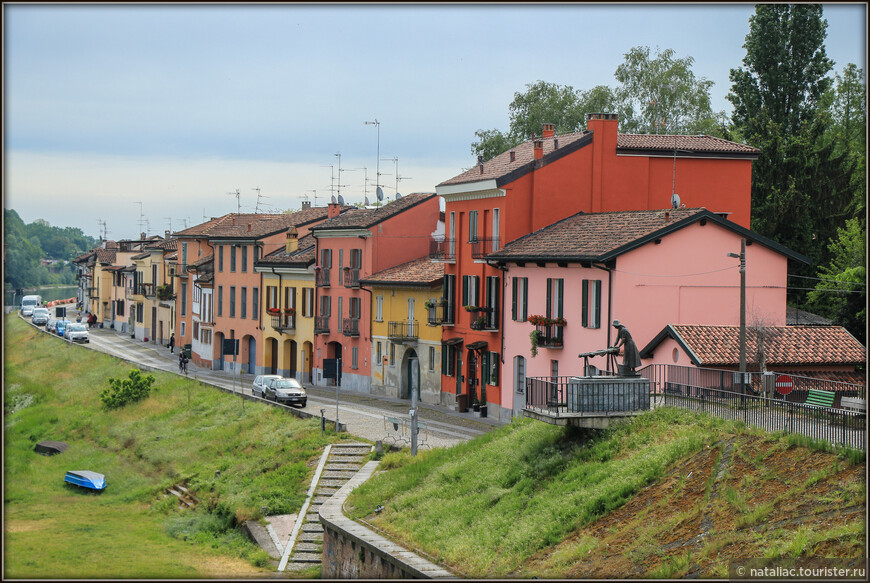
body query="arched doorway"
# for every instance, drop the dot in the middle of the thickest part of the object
(307, 361)
(271, 355)
(291, 373)
(252, 355)
(219, 349)
(410, 374)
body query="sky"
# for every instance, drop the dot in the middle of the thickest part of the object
(122, 119)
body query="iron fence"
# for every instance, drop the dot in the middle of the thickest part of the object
(603, 394)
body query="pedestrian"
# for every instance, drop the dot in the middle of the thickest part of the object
(172, 344)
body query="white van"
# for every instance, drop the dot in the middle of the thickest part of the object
(28, 303)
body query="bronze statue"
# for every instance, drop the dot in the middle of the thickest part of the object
(631, 356)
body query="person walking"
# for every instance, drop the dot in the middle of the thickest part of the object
(172, 344)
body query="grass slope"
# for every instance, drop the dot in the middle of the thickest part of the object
(184, 432)
(506, 504)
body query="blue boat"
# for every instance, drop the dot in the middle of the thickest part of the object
(86, 479)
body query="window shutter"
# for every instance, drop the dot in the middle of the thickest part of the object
(585, 304)
(493, 366)
(549, 297)
(484, 368)
(597, 314)
(559, 297)
(514, 289)
(525, 299)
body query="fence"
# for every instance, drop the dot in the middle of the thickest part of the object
(561, 395)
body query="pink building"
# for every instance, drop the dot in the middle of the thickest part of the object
(646, 269)
(351, 247)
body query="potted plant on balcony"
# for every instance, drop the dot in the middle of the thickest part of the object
(535, 336)
(472, 309)
(164, 292)
(289, 312)
(479, 323)
(274, 311)
(429, 304)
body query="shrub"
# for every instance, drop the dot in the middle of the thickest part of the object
(122, 392)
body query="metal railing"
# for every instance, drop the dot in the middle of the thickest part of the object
(144, 289)
(350, 326)
(442, 249)
(550, 336)
(322, 278)
(284, 323)
(483, 247)
(605, 394)
(321, 324)
(403, 330)
(351, 278)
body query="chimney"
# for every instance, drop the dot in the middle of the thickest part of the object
(167, 234)
(333, 209)
(249, 227)
(513, 156)
(306, 204)
(141, 236)
(555, 143)
(292, 240)
(539, 149)
(667, 216)
(549, 130)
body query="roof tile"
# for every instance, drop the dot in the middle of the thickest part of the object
(420, 271)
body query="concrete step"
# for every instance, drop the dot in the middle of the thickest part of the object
(330, 483)
(341, 475)
(308, 548)
(320, 499)
(347, 459)
(306, 558)
(312, 517)
(342, 467)
(347, 444)
(310, 537)
(324, 490)
(312, 527)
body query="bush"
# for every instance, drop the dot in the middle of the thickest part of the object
(122, 392)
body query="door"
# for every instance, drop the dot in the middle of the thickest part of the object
(252, 355)
(471, 376)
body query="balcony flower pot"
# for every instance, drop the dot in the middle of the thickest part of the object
(479, 324)
(289, 311)
(472, 309)
(429, 304)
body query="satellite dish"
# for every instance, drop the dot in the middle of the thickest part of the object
(340, 200)
(380, 193)
(367, 201)
(675, 200)
(398, 195)
(333, 199)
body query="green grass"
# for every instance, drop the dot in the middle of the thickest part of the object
(128, 531)
(486, 506)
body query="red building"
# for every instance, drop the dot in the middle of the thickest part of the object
(547, 179)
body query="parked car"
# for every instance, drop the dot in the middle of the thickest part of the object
(286, 391)
(259, 386)
(77, 332)
(51, 325)
(28, 303)
(40, 316)
(60, 326)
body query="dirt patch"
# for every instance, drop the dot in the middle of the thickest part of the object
(738, 499)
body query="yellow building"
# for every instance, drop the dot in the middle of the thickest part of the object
(153, 293)
(406, 342)
(288, 308)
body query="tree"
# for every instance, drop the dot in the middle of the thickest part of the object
(662, 95)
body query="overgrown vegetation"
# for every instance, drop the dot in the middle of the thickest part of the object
(122, 392)
(52, 391)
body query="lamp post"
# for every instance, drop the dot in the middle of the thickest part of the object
(742, 258)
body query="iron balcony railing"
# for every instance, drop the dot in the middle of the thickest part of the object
(351, 278)
(144, 289)
(284, 323)
(435, 315)
(322, 278)
(483, 247)
(403, 330)
(550, 336)
(442, 249)
(350, 327)
(321, 324)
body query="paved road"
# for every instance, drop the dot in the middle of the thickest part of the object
(363, 415)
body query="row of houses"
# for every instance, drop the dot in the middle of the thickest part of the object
(508, 270)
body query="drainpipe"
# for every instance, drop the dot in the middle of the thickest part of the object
(609, 298)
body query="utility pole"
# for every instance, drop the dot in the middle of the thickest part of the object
(742, 340)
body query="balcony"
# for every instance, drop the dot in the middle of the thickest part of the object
(284, 324)
(483, 247)
(351, 278)
(484, 319)
(442, 250)
(321, 324)
(144, 289)
(322, 278)
(350, 327)
(550, 336)
(398, 331)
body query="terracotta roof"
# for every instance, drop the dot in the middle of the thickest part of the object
(202, 264)
(796, 317)
(303, 255)
(503, 170)
(84, 256)
(145, 255)
(783, 345)
(417, 272)
(260, 224)
(105, 255)
(357, 218)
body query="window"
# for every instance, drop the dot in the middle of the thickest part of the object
(244, 259)
(489, 368)
(220, 258)
(195, 329)
(452, 243)
(355, 308)
(520, 302)
(555, 289)
(119, 307)
(220, 300)
(271, 296)
(183, 255)
(307, 302)
(232, 301)
(448, 360)
(183, 298)
(356, 258)
(139, 313)
(354, 359)
(325, 306)
(290, 297)
(244, 310)
(492, 287)
(554, 371)
(232, 258)
(326, 258)
(495, 229)
(591, 309)
(431, 358)
(519, 374)
(470, 285)
(182, 329)
(472, 226)
(341, 267)
(255, 303)
(379, 309)
(380, 353)
(449, 294)
(392, 354)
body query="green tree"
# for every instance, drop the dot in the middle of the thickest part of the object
(662, 95)
(841, 295)
(21, 265)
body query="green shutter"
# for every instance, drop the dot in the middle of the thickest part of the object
(549, 297)
(598, 304)
(484, 368)
(585, 304)
(525, 298)
(493, 366)
(561, 311)
(514, 290)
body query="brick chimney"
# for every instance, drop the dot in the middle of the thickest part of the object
(604, 129)
(292, 240)
(333, 210)
(513, 156)
(306, 204)
(539, 149)
(549, 130)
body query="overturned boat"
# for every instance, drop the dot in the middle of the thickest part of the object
(86, 479)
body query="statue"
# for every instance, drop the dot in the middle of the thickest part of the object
(631, 356)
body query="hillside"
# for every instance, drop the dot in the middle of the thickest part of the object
(672, 495)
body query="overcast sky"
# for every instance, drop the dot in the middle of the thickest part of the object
(175, 107)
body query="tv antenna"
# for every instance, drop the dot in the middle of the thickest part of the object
(259, 196)
(331, 177)
(315, 196)
(378, 155)
(238, 196)
(395, 160)
(141, 216)
(170, 223)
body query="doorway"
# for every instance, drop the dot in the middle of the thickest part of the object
(410, 374)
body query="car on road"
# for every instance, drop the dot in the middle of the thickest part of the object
(76, 332)
(60, 326)
(40, 316)
(259, 386)
(284, 390)
(51, 325)
(28, 303)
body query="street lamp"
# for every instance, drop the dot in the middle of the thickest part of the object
(742, 257)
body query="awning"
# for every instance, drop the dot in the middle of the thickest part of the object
(451, 341)
(479, 345)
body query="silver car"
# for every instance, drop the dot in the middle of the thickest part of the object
(40, 316)
(51, 325)
(76, 332)
(259, 387)
(286, 391)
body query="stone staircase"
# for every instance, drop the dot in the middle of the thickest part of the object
(343, 462)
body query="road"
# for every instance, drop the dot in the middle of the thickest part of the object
(363, 415)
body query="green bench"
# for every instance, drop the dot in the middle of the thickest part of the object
(820, 398)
